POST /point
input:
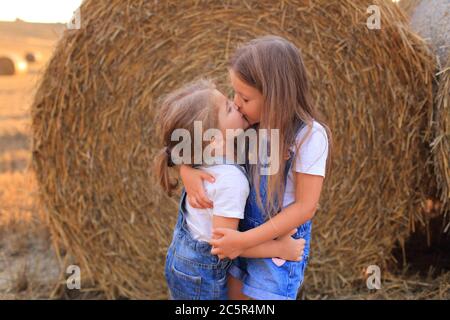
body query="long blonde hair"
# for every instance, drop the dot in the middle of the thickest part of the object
(274, 66)
(179, 110)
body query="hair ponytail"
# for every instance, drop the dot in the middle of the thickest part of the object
(162, 163)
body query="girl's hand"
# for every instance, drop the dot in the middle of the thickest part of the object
(226, 243)
(193, 183)
(290, 248)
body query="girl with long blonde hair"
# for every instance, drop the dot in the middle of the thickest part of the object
(271, 88)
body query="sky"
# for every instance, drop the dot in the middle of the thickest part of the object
(48, 11)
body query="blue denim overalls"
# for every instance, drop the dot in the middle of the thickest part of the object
(191, 271)
(262, 279)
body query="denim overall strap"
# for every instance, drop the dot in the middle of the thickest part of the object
(263, 178)
(254, 216)
(182, 231)
(252, 211)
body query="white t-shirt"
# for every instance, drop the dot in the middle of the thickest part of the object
(311, 157)
(228, 193)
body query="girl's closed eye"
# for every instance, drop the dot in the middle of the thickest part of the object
(243, 98)
(247, 98)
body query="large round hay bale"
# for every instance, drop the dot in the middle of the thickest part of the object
(7, 66)
(441, 143)
(93, 133)
(431, 20)
(11, 64)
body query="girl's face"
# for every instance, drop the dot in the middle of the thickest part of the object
(229, 117)
(248, 100)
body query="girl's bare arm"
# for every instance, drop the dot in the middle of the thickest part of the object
(193, 183)
(285, 247)
(231, 243)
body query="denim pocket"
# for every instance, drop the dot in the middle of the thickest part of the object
(221, 287)
(184, 281)
(296, 273)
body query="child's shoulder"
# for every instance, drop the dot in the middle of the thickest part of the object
(227, 177)
(316, 127)
(316, 133)
(227, 172)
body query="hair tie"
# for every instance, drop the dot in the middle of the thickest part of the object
(169, 157)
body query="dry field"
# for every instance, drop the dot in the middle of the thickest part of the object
(29, 266)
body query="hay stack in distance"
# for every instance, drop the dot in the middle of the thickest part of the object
(7, 66)
(11, 65)
(33, 56)
(93, 141)
(30, 57)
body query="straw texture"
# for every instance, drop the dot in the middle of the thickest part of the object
(424, 15)
(93, 129)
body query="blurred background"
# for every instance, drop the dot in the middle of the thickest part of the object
(29, 32)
